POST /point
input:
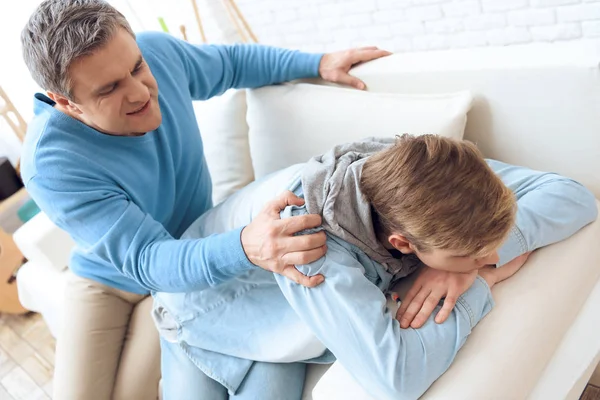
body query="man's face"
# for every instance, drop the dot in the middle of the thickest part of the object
(453, 261)
(113, 89)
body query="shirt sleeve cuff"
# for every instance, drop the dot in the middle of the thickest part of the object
(235, 260)
(477, 301)
(513, 247)
(307, 65)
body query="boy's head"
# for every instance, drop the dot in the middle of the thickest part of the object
(437, 197)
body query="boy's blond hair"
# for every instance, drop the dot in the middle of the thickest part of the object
(440, 194)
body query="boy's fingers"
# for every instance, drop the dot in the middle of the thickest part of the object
(414, 290)
(444, 313)
(414, 307)
(428, 306)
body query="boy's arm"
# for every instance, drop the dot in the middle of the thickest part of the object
(550, 208)
(349, 315)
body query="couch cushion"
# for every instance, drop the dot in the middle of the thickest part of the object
(42, 289)
(292, 122)
(43, 242)
(536, 104)
(508, 351)
(222, 122)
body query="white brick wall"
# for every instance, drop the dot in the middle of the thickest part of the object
(411, 25)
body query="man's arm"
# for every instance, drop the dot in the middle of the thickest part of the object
(349, 315)
(550, 208)
(104, 221)
(213, 69)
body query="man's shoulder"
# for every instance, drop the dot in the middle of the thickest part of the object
(52, 144)
(157, 45)
(153, 39)
(164, 54)
(44, 128)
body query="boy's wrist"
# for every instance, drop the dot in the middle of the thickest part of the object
(490, 275)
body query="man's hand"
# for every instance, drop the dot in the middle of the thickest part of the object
(334, 67)
(269, 243)
(427, 291)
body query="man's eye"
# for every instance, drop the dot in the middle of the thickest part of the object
(108, 91)
(139, 68)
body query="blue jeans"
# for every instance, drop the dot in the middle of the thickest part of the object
(182, 380)
(347, 313)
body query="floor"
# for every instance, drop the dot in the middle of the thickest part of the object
(27, 360)
(591, 393)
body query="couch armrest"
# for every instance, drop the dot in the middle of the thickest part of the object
(43, 242)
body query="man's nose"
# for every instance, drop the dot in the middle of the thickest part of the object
(138, 92)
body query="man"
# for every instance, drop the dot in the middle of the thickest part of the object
(114, 157)
(382, 203)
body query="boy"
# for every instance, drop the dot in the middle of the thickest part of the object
(388, 208)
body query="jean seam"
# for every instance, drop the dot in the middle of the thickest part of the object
(520, 238)
(207, 371)
(469, 311)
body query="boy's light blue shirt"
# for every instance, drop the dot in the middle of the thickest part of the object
(125, 200)
(265, 317)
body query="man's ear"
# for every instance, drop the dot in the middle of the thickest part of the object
(64, 103)
(401, 243)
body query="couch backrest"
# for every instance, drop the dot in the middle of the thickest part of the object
(535, 105)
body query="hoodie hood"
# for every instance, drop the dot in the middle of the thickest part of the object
(331, 186)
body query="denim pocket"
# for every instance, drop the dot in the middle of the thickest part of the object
(168, 328)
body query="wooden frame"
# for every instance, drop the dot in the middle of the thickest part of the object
(236, 17)
(10, 260)
(7, 108)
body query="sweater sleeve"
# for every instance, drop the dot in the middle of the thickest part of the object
(103, 220)
(349, 316)
(212, 69)
(550, 208)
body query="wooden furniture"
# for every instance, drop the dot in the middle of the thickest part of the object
(12, 116)
(9, 208)
(10, 181)
(16, 122)
(10, 260)
(236, 17)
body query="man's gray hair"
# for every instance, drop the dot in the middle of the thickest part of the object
(61, 31)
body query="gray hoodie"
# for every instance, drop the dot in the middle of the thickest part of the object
(331, 186)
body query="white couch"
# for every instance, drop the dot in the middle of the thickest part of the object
(535, 105)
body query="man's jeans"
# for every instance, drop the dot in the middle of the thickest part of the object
(183, 380)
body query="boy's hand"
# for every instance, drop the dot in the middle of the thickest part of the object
(432, 285)
(427, 291)
(493, 275)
